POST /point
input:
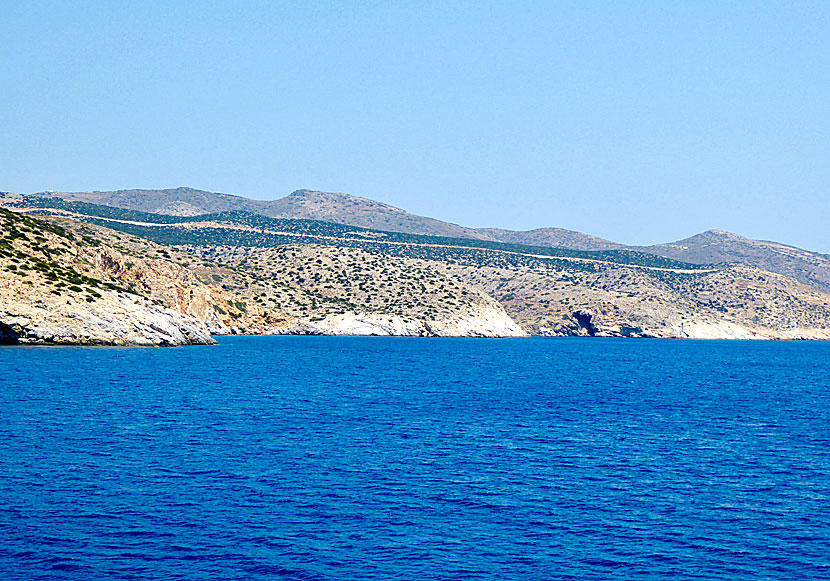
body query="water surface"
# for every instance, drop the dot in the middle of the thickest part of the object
(394, 458)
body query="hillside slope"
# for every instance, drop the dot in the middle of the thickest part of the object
(710, 247)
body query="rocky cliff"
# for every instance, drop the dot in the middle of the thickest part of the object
(46, 298)
(488, 322)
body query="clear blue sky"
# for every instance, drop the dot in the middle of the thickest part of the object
(638, 122)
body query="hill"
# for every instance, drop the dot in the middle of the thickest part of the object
(333, 270)
(713, 246)
(551, 237)
(341, 208)
(174, 202)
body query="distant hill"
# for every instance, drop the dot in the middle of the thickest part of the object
(554, 237)
(173, 202)
(329, 207)
(709, 247)
(715, 246)
(357, 211)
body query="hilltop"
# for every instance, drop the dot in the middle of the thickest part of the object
(325, 206)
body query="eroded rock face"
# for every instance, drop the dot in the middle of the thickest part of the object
(166, 282)
(8, 335)
(112, 319)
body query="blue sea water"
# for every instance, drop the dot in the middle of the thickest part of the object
(392, 458)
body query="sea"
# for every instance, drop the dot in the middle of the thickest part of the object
(402, 458)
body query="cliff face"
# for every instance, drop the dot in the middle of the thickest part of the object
(45, 298)
(32, 317)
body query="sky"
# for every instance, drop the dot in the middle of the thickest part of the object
(640, 122)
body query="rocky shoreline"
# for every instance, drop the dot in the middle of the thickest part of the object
(63, 282)
(143, 326)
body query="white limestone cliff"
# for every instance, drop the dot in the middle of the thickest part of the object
(486, 322)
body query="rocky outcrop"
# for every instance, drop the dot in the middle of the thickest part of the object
(585, 323)
(715, 330)
(166, 282)
(488, 323)
(481, 322)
